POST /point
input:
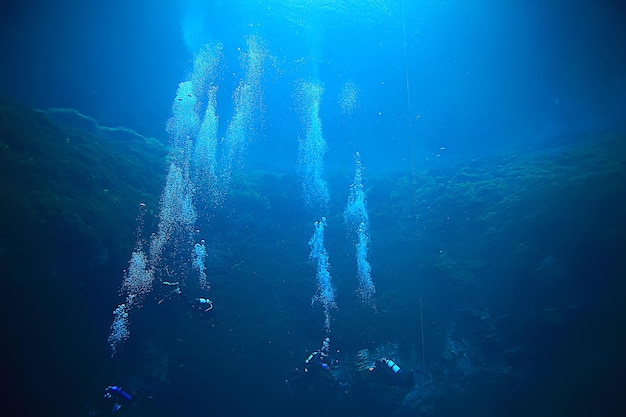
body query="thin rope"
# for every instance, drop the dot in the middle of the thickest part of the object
(417, 257)
(410, 120)
(406, 68)
(422, 328)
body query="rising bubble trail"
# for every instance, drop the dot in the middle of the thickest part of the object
(357, 222)
(325, 292)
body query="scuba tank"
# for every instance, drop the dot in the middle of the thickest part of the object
(392, 365)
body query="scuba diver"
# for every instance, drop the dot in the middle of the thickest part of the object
(388, 372)
(320, 357)
(118, 395)
(118, 401)
(370, 373)
(201, 304)
(321, 369)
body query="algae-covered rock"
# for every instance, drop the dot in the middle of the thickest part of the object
(69, 192)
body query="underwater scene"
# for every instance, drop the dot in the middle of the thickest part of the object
(313, 208)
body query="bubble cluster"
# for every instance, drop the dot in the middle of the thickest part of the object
(177, 213)
(325, 291)
(247, 100)
(348, 98)
(195, 174)
(312, 146)
(185, 119)
(137, 284)
(366, 288)
(205, 151)
(205, 67)
(203, 161)
(119, 328)
(355, 212)
(357, 222)
(137, 279)
(199, 255)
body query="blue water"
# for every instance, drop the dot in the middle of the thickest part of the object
(487, 209)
